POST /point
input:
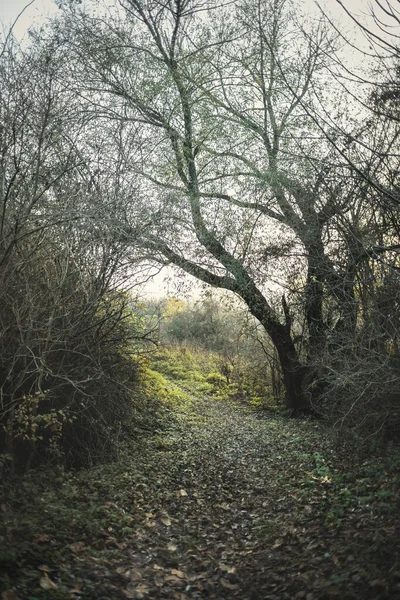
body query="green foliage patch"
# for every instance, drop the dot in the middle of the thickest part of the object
(201, 371)
(164, 391)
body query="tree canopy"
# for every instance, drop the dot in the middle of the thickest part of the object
(232, 141)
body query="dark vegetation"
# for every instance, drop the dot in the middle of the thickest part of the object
(148, 448)
(70, 355)
(221, 501)
(213, 493)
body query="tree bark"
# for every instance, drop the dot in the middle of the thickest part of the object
(280, 333)
(292, 369)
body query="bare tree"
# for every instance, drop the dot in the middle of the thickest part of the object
(216, 145)
(228, 160)
(67, 330)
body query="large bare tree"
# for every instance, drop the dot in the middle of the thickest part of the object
(231, 168)
(234, 156)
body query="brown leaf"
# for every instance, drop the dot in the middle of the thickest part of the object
(159, 580)
(77, 547)
(277, 545)
(136, 592)
(180, 574)
(196, 576)
(141, 591)
(227, 584)
(173, 579)
(182, 493)
(172, 547)
(47, 584)
(227, 568)
(77, 589)
(151, 524)
(9, 595)
(124, 572)
(42, 538)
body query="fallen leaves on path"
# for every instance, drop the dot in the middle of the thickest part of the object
(234, 504)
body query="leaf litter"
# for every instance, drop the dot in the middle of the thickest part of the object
(230, 505)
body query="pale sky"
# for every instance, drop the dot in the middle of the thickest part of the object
(38, 9)
(35, 13)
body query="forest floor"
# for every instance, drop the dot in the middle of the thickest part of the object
(222, 502)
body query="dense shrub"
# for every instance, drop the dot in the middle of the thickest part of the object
(360, 372)
(69, 358)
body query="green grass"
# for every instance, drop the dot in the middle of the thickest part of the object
(201, 372)
(194, 370)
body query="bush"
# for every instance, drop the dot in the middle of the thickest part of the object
(217, 381)
(69, 359)
(164, 391)
(360, 382)
(68, 339)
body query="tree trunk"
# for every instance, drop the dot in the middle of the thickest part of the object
(292, 370)
(314, 297)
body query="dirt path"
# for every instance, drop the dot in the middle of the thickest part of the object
(223, 503)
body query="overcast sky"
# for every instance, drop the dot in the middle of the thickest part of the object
(36, 12)
(39, 9)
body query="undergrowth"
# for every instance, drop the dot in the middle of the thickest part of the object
(201, 371)
(218, 499)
